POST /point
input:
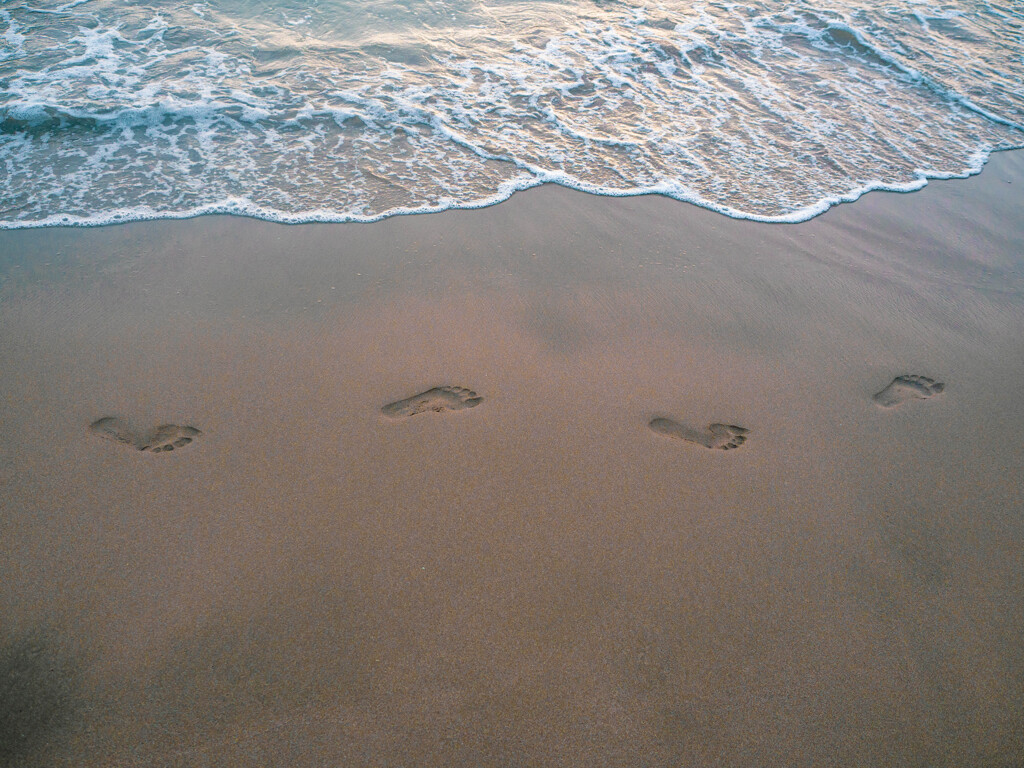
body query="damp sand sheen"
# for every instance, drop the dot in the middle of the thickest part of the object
(678, 491)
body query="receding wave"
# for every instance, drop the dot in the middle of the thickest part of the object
(339, 111)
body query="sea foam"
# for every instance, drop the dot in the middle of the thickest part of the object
(292, 112)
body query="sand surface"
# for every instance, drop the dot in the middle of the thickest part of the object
(348, 565)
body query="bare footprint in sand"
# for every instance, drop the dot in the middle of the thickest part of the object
(904, 388)
(166, 437)
(724, 436)
(437, 399)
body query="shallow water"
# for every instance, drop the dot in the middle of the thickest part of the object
(341, 110)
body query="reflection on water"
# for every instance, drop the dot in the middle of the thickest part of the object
(353, 110)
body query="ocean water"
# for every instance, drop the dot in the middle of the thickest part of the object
(340, 110)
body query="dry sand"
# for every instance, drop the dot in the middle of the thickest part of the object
(551, 575)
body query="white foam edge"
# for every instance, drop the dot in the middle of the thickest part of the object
(240, 206)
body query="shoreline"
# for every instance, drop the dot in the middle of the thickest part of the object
(246, 209)
(546, 576)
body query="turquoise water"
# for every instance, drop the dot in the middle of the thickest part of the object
(338, 110)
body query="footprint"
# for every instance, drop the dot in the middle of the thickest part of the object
(904, 388)
(165, 437)
(724, 436)
(437, 399)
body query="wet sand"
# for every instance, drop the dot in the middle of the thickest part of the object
(551, 562)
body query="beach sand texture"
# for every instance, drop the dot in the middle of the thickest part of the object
(425, 517)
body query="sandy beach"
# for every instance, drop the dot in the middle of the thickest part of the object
(566, 571)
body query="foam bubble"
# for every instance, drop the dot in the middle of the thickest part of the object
(298, 113)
